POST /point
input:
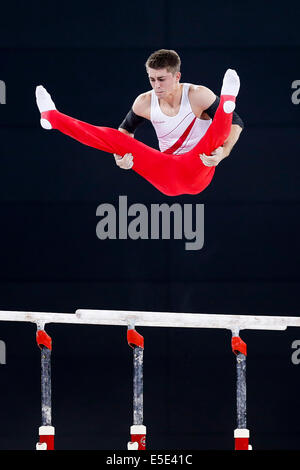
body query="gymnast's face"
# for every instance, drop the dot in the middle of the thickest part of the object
(163, 82)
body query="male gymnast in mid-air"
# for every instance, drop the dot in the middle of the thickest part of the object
(195, 128)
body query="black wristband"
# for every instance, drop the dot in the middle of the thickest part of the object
(211, 111)
(131, 122)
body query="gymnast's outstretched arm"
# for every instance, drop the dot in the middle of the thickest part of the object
(125, 162)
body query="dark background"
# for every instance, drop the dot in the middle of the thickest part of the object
(90, 56)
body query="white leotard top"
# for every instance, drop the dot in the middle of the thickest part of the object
(170, 128)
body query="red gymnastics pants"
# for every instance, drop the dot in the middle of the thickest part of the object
(171, 174)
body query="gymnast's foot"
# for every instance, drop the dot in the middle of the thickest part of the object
(44, 103)
(231, 86)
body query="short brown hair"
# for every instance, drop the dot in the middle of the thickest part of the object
(164, 59)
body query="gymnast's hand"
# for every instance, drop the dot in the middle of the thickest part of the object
(215, 158)
(125, 162)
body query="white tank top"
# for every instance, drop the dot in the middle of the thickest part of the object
(171, 128)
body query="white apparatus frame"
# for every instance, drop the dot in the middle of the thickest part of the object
(131, 319)
(156, 319)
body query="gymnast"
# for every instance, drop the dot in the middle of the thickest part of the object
(195, 128)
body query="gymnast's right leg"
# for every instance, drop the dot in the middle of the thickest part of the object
(151, 164)
(83, 132)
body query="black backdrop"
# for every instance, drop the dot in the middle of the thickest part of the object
(91, 58)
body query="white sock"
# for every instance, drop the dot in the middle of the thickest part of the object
(231, 83)
(231, 86)
(44, 103)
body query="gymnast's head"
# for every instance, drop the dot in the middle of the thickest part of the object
(163, 69)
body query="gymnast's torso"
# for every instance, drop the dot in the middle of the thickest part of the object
(170, 128)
